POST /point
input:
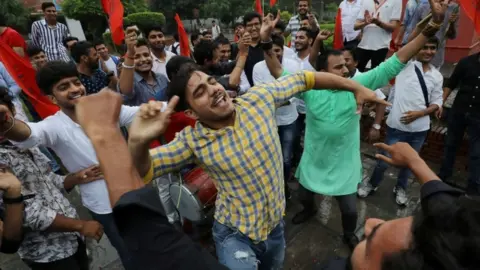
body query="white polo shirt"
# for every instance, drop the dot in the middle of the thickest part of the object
(376, 38)
(350, 11)
(159, 66)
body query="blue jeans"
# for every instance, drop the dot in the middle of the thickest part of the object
(237, 251)
(415, 139)
(111, 230)
(287, 134)
(457, 124)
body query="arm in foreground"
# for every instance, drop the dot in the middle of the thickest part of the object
(11, 237)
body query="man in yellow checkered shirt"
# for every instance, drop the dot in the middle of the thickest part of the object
(236, 142)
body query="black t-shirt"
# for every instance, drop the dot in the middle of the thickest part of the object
(436, 197)
(255, 55)
(152, 241)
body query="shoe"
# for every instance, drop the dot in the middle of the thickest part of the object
(303, 216)
(400, 196)
(351, 241)
(365, 189)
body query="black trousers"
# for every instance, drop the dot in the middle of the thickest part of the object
(377, 57)
(347, 204)
(78, 261)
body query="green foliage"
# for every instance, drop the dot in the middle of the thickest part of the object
(144, 19)
(331, 7)
(87, 9)
(114, 49)
(285, 16)
(226, 10)
(183, 7)
(15, 15)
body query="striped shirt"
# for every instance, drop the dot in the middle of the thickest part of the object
(245, 160)
(294, 25)
(50, 39)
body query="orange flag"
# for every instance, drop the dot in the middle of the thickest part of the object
(472, 10)
(114, 10)
(183, 37)
(273, 2)
(337, 34)
(23, 73)
(258, 6)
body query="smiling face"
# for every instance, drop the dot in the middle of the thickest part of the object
(156, 40)
(207, 99)
(102, 50)
(253, 27)
(39, 60)
(426, 54)
(350, 62)
(302, 42)
(66, 92)
(381, 238)
(302, 7)
(143, 59)
(224, 51)
(50, 14)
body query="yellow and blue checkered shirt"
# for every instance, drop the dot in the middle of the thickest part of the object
(244, 160)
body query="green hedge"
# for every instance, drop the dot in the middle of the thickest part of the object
(331, 27)
(145, 19)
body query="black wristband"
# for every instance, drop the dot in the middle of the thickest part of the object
(266, 45)
(17, 200)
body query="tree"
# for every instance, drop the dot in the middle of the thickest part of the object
(183, 7)
(15, 15)
(226, 10)
(90, 12)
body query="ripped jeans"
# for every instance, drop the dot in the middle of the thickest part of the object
(237, 251)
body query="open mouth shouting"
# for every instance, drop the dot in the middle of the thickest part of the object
(220, 99)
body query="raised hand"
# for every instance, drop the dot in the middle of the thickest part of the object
(368, 17)
(439, 8)
(131, 41)
(244, 42)
(268, 25)
(401, 154)
(324, 35)
(150, 121)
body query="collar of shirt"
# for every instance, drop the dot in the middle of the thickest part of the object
(44, 22)
(168, 55)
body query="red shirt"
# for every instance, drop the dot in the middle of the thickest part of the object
(13, 39)
(178, 122)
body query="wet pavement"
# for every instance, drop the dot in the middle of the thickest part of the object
(311, 243)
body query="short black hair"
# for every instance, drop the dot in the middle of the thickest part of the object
(309, 32)
(194, 36)
(178, 85)
(52, 73)
(250, 16)
(46, 5)
(68, 39)
(281, 25)
(6, 98)
(98, 43)
(433, 40)
(203, 51)
(278, 40)
(80, 49)
(213, 21)
(237, 24)
(142, 42)
(148, 29)
(352, 51)
(322, 59)
(208, 32)
(175, 63)
(33, 50)
(221, 40)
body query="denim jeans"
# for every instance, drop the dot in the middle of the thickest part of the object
(415, 139)
(111, 230)
(237, 251)
(457, 124)
(287, 134)
(297, 144)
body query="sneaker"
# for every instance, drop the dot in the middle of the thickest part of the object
(365, 189)
(400, 196)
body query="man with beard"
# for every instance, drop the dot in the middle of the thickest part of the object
(110, 61)
(138, 82)
(331, 163)
(94, 79)
(60, 132)
(160, 56)
(223, 49)
(303, 9)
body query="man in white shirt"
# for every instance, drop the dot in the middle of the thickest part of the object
(303, 9)
(216, 31)
(156, 40)
(61, 133)
(378, 20)
(350, 10)
(111, 61)
(418, 94)
(280, 30)
(286, 114)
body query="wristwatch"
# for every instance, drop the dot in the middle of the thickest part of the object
(18, 199)
(376, 126)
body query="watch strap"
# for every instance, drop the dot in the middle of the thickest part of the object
(18, 199)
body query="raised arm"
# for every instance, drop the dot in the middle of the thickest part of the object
(125, 82)
(234, 79)
(317, 46)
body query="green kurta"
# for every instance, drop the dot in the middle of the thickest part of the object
(331, 162)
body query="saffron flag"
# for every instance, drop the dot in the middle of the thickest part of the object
(23, 73)
(114, 10)
(337, 34)
(258, 6)
(183, 37)
(273, 2)
(472, 10)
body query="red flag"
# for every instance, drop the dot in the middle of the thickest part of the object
(183, 37)
(273, 2)
(472, 10)
(338, 35)
(258, 6)
(114, 10)
(23, 73)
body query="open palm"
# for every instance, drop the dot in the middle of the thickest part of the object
(439, 8)
(268, 24)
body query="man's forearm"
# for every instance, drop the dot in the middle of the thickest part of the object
(359, 25)
(422, 172)
(15, 130)
(324, 80)
(431, 109)
(379, 113)
(125, 82)
(65, 224)
(273, 65)
(12, 227)
(234, 80)
(412, 48)
(116, 163)
(314, 52)
(390, 26)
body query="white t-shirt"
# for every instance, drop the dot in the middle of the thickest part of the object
(111, 65)
(74, 148)
(284, 115)
(304, 65)
(376, 38)
(159, 66)
(288, 53)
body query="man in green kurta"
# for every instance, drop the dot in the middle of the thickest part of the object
(331, 161)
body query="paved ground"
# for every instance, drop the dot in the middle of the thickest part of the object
(308, 244)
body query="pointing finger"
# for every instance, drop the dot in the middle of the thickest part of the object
(383, 146)
(172, 103)
(384, 158)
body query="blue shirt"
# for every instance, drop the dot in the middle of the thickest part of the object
(7, 81)
(93, 84)
(407, 19)
(143, 92)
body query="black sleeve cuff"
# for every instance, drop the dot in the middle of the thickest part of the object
(145, 198)
(437, 186)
